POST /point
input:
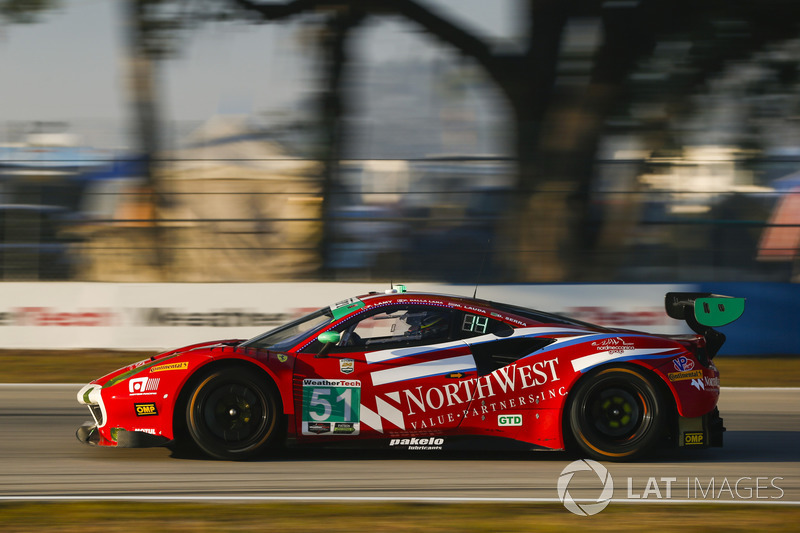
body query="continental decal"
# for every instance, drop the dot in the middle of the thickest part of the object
(171, 366)
(145, 409)
(682, 376)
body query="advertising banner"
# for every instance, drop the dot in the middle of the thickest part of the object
(156, 316)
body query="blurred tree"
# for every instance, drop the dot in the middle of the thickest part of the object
(24, 11)
(152, 29)
(338, 20)
(557, 130)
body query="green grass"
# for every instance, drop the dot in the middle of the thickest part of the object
(124, 517)
(82, 366)
(62, 366)
(759, 371)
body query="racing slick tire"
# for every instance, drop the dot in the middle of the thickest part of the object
(616, 414)
(232, 413)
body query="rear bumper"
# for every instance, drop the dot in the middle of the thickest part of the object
(702, 431)
(715, 428)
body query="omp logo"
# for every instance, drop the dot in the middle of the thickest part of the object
(145, 409)
(693, 439)
(509, 420)
(143, 385)
(586, 509)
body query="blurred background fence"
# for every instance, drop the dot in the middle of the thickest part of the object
(433, 219)
(516, 141)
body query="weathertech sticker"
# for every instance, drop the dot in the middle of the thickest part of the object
(331, 407)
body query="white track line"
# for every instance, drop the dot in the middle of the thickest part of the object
(380, 499)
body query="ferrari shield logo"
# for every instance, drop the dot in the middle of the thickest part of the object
(347, 366)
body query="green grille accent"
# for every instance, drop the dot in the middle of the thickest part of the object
(129, 373)
(86, 396)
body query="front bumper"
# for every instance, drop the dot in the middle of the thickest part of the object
(89, 432)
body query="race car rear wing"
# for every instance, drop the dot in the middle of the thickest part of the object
(704, 311)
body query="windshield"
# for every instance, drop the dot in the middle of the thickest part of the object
(285, 337)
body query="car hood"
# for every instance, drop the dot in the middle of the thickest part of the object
(127, 371)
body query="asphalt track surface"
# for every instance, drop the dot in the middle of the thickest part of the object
(40, 459)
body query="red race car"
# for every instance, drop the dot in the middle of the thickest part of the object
(418, 371)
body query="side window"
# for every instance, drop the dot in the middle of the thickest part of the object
(396, 327)
(477, 325)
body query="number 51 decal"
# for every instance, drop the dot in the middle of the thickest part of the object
(331, 406)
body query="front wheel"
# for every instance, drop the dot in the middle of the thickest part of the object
(232, 414)
(616, 415)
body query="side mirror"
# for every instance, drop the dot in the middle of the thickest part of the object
(328, 339)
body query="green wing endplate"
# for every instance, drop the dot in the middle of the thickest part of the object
(717, 310)
(708, 309)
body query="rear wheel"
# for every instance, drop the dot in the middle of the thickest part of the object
(616, 415)
(232, 414)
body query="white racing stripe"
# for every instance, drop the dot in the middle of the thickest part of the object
(388, 355)
(594, 359)
(462, 363)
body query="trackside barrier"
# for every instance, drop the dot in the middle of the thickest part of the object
(145, 316)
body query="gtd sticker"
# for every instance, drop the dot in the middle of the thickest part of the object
(509, 420)
(331, 406)
(145, 409)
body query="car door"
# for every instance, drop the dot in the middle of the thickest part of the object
(512, 381)
(398, 370)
